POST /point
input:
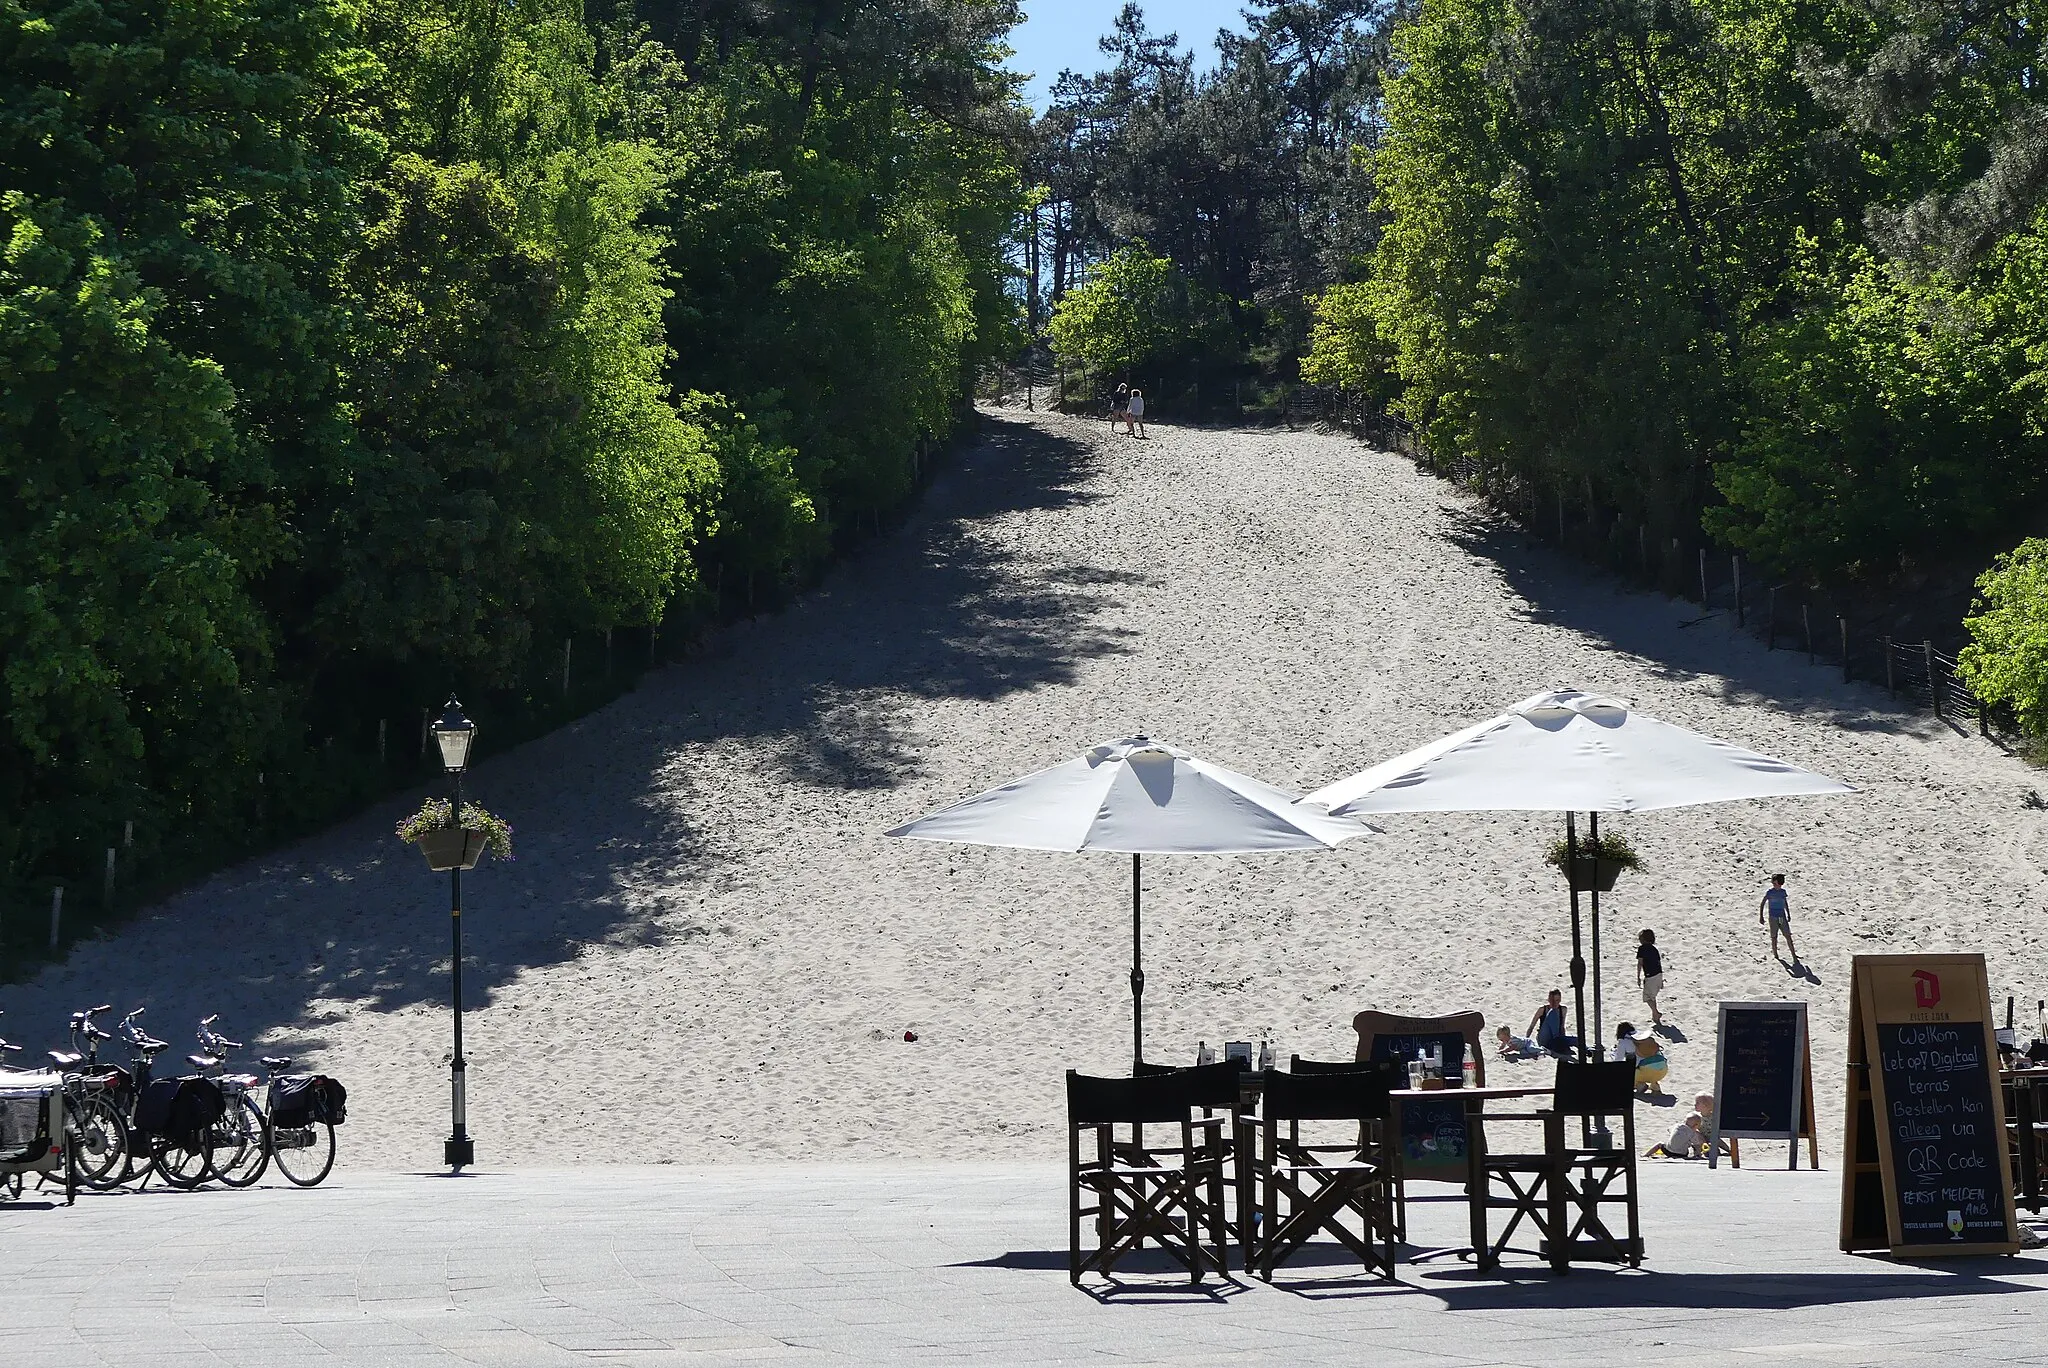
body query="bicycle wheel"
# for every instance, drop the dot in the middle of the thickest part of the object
(304, 1154)
(184, 1164)
(241, 1155)
(102, 1144)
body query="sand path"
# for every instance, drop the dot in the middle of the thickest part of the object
(707, 950)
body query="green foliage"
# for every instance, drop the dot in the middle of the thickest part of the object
(1345, 350)
(2006, 661)
(1134, 310)
(437, 814)
(355, 351)
(1882, 414)
(1610, 848)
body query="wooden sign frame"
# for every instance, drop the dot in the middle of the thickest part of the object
(1886, 990)
(1802, 1104)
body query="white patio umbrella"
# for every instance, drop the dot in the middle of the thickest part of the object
(1571, 752)
(1138, 797)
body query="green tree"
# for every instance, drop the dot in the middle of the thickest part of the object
(130, 643)
(2006, 661)
(1134, 310)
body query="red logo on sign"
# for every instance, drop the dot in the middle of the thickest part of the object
(1926, 989)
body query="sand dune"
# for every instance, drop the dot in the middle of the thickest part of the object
(707, 949)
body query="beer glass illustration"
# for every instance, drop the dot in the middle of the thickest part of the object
(1955, 1225)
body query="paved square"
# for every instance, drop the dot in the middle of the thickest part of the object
(929, 1265)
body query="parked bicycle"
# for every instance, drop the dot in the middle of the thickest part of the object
(97, 1120)
(293, 1128)
(170, 1123)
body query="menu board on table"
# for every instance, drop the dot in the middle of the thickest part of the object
(1925, 1167)
(1431, 1132)
(1763, 1078)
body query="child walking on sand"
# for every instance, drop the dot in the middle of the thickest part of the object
(1650, 974)
(1777, 906)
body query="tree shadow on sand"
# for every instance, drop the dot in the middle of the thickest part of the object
(613, 844)
(1684, 644)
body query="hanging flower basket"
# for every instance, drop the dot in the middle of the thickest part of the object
(448, 846)
(1594, 866)
(452, 848)
(1588, 875)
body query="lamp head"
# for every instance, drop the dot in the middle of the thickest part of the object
(454, 733)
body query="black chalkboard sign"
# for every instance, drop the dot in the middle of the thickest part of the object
(1432, 1131)
(1943, 1130)
(1759, 1087)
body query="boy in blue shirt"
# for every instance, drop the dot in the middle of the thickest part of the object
(1777, 906)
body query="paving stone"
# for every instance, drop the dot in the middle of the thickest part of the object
(951, 1264)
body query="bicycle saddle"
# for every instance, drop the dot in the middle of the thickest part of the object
(277, 1061)
(66, 1059)
(202, 1061)
(150, 1045)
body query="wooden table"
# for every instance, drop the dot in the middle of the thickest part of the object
(1475, 1100)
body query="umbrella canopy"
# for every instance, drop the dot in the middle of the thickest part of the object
(1137, 797)
(1567, 751)
(1571, 752)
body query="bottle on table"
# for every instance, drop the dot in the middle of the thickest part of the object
(1471, 1067)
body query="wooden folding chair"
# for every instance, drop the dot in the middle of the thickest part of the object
(1308, 1187)
(1225, 1139)
(1563, 1190)
(1170, 1194)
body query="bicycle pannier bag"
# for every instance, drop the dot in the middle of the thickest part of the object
(301, 1099)
(291, 1101)
(24, 1124)
(179, 1109)
(332, 1106)
(153, 1108)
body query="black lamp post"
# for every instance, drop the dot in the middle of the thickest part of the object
(454, 733)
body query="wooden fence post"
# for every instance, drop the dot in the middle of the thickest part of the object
(566, 642)
(1890, 684)
(380, 740)
(607, 655)
(1806, 627)
(1843, 624)
(1643, 548)
(1735, 573)
(1703, 577)
(1933, 690)
(1983, 720)
(56, 915)
(128, 833)
(1560, 516)
(107, 891)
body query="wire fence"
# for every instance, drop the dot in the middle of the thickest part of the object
(1823, 623)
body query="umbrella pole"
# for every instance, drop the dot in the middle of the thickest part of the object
(1598, 1134)
(1599, 1018)
(1571, 859)
(1137, 973)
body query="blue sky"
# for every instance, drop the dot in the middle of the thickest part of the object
(1062, 33)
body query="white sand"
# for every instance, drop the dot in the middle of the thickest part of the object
(707, 949)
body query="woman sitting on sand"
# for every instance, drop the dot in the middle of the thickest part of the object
(1648, 1054)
